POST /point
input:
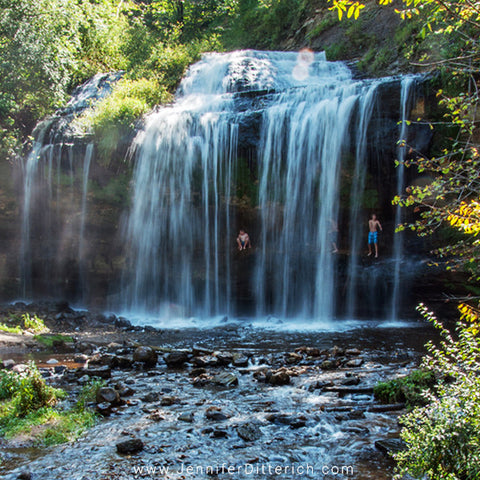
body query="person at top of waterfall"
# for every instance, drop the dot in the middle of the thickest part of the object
(243, 240)
(373, 226)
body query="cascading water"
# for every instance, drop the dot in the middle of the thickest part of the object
(82, 254)
(357, 223)
(405, 100)
(49, 211)
(278, 142)
(180, 238)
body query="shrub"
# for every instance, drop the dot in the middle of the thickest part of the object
(32, 393)
(443, 437)
(33, 324)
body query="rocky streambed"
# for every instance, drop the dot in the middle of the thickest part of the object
(227, 402)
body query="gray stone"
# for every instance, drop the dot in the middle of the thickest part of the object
(176, 359)
(108, 395)
(8, 364)
(328, 365)
(215, 414)
(225, 379)
(151, 397)
(186, 417)
(390, 445)
(354, 363)
(278, 378)
(146, 355)
(249, 432)
(129, 447)
(104, 372)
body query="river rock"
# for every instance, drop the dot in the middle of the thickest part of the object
(205, 361)
(176, 359)
(293, 357)
(279, 377)
(352, 352)
(328, 365)
(284, 419)
(225, 379)
(151, 397)
(240, 361)
(104, 408)
(224, 358)
(197, 371)
(24, 476)
(390, 445)
(168, 401)
(107, 395)
(104, 372)
(186, 417)
(351, 381)
(354, 363)
(219, 433)
(249, 432)
(215, 414)
(129, 447)
(146, 355)
(8, 364)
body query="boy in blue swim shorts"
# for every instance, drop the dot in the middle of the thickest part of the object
(373, 225)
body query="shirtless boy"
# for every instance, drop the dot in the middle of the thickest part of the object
(243, 240)
(373, 225)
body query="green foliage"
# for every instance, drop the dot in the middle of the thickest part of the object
(118, 112)
(9, 329)
(265, 23)
(409, 389)
(443, 437)
(49, 340)
(27, 402)
(20, 323)
(9, 384)
(89, 392)
(33, 323)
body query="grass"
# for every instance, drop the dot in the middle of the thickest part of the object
(48, 340)
(20, 324)
(28, 406)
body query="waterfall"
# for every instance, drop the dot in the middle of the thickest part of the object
(29, 174)
(405, 102)
(179, 231)
(82, 254)
(180, 236)
(357, 222)
(279, 143)
(51, 239)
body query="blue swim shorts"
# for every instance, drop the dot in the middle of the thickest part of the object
(372, 237)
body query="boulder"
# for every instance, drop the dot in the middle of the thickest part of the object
(104, 372)
(146, 355)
